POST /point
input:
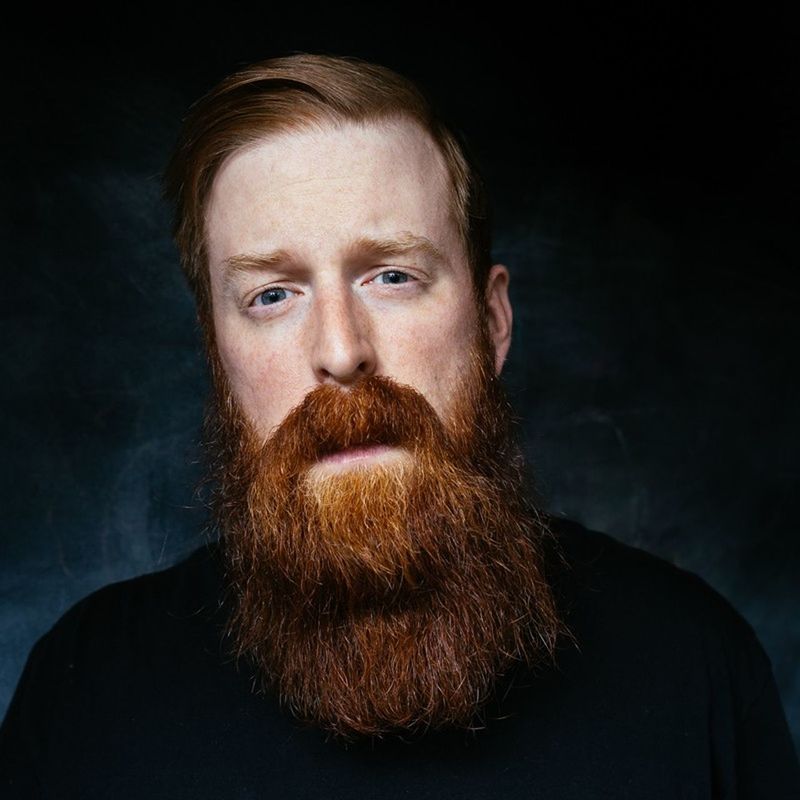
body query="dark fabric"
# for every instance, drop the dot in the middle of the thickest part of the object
(670, 696)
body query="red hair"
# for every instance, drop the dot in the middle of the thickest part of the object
(301, 91)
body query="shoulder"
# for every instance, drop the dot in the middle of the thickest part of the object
(133, 612)
(611, 570)
(173, 589)
(110, 657)
(623, 592)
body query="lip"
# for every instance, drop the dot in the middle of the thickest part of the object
(355, 454)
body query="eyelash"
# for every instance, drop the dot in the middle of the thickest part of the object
(411, 279)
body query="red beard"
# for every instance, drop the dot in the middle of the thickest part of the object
(392, 595)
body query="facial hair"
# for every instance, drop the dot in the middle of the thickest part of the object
(390, 595)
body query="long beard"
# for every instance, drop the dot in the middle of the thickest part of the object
(388, 596)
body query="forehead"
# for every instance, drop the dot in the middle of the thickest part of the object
(315, 187)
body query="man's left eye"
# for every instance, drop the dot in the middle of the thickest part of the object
(393, 276)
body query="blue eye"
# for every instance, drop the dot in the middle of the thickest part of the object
(394, 276)
(270, 297)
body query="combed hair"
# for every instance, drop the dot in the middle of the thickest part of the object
(297, 92)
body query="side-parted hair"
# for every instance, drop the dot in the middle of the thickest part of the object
(296, 92)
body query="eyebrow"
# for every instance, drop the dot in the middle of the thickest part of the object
(377, 247)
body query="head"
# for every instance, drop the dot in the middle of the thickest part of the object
(301, 92)
(384, 557)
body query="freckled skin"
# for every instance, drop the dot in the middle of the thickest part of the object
(339, 319)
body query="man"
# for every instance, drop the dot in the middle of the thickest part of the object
(389, 611)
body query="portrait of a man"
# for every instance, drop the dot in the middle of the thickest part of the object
(387, 608)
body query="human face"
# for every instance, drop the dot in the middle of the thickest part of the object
(333, 255)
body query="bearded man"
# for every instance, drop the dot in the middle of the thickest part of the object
(388, 610)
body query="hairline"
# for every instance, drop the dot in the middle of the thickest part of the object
(326, 121)
(321, 90)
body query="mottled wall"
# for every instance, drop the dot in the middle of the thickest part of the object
(643, 170)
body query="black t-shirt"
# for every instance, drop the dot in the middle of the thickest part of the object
(671, 695)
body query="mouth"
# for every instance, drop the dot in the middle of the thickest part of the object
(359, 453)
(360, 457)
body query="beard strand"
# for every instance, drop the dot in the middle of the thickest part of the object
(391, 598)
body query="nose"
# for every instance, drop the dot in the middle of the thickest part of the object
(342, 344)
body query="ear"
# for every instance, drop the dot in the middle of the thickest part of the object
(500, 316)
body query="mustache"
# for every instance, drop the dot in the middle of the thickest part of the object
(376, 411)
(382, 599)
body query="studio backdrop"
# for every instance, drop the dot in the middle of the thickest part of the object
(643, 171)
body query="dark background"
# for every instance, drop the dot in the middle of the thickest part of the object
(644, 170)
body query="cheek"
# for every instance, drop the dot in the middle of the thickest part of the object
(261, 380)
(431, 358)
